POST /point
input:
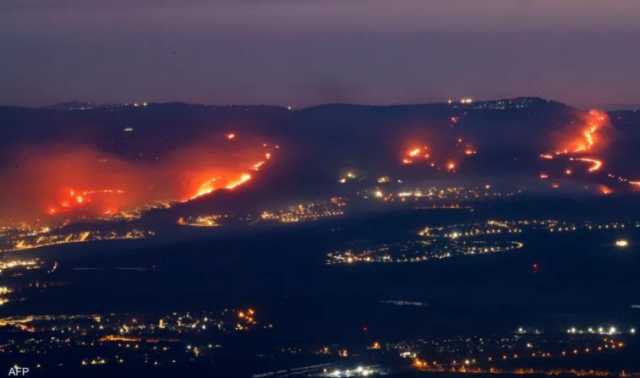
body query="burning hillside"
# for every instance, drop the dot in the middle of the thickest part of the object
(56, 183)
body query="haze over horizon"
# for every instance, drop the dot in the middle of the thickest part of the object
(310, 52)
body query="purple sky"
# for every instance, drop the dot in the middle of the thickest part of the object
(301, 52)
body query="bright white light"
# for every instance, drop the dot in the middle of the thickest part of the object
(359, 371)
(622, 243)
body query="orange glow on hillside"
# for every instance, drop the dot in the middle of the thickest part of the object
(104, 201)
(60, 183)
(605, 190)
(234, 184)
(587, 137)
(446, 157)
(415, 154)
(596, 164)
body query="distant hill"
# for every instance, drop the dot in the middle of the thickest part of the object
(488, 140)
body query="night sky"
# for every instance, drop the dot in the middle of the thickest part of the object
(303, 52)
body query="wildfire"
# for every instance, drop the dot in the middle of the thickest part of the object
(61, 183)
(257, 166)
(215, 183)
(596, 164)
(100, 200)
(605, 190)
(205, 188)
(589, 139)
(589, 136)
(234, 184)
(419, 363)
(416, 153)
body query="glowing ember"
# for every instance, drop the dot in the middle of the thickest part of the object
(605, 190)
(416, 153)
(470, 151)
(257, 166)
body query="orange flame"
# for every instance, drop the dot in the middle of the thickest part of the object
(102, 201)
(416, 153)
(66, 181)
(596, 164)
(588, 138)
(605, 190)
(234, 184)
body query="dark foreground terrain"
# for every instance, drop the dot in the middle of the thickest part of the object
(269, 299)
